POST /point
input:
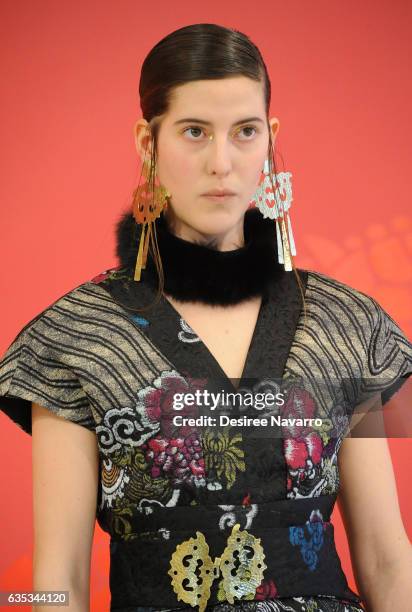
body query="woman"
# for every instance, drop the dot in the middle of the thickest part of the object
(205, 512)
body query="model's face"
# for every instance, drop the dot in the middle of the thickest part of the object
(189, 163)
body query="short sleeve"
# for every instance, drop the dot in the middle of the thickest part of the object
(388, 362)
(32, 370)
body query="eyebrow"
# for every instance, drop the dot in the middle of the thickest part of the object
(201, 121)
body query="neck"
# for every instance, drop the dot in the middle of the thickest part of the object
(196, 272)
(227, 241)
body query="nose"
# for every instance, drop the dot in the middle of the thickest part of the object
(218, 156)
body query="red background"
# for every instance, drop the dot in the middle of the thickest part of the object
(341, 89)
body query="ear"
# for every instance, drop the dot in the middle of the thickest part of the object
(142, 138)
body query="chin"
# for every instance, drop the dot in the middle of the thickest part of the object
(216, 222)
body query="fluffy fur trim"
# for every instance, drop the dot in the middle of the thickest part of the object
(199, 272)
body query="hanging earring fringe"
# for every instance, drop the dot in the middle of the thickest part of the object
(291, 238)
(146, 246)
(149, 200)
(279, 243)
(268, 200)
(286, 251)
(139, 260)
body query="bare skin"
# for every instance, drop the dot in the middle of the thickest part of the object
(65, 486)
(380, 550)
(227, 332)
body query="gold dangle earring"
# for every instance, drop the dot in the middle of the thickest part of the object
(149, 199)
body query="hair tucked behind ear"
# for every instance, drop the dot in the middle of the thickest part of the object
(191, 53)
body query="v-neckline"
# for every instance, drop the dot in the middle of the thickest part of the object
(173, 350)
(205, 349)
(272, 337)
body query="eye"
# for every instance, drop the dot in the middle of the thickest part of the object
(190, 129)
(195, 128)
(248, 127)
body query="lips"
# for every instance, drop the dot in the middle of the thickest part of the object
(219, 192)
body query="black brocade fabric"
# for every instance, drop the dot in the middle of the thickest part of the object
(142, 560)
(320, 603)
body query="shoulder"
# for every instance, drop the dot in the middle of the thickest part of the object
(326, 293)
(349, 313)
(115, 273)
(85, 303)
(331, 287)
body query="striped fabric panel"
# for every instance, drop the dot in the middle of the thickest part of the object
(78, 357)
(348, 337)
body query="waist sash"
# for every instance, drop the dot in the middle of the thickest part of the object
(295, 536)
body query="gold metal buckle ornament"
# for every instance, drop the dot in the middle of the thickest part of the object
(193, 571)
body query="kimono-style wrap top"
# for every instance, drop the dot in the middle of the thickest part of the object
(204, 512)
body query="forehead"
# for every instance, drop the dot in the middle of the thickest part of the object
(215, 99)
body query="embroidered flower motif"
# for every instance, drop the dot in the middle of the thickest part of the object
(300, 453)
(309, 548)
(153, 414)
(158, 403)
(266, 590)
(310, 449)
(299, 405)
(180, 459)
(302, 445)
(170, 451)
(304, 466)
(331, 475)
(222, 456)
(324, 430)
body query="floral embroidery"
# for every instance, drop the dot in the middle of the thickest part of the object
(222, 455)
(180, 459)
(141, 444)
(320, 603)
(303, 447)
(299, 405)
(330, 474)
(309, 547)
(152, 414)
(297, 452)
(324, 429)
(120, 524)
(126, 481)
(266, 590)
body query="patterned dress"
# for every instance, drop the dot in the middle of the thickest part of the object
(228, 506)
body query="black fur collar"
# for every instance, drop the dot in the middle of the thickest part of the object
(195, 272)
